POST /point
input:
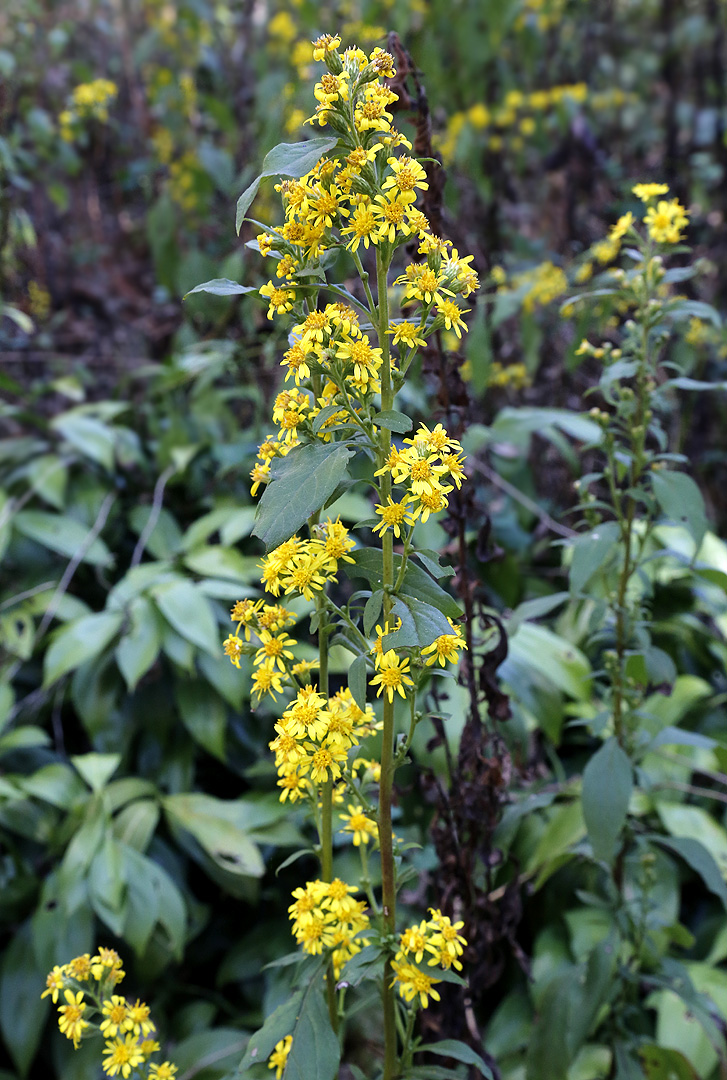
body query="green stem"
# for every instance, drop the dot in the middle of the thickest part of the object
(363, 274)
(326, 835)
(388, 873)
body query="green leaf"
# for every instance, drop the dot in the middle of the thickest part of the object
(96, 769)
(591, 553)
(285, 159)
(204, 715)
(460, 1051)
(218, 827)
(421, 624)
(301, 483)
(695, 309)
(221, 287)
(357, 680)
(189, 612)
(393, 421)
(417, 583)
(215, 560)
(135, 824)
(692, 822)
(607, 785)
(22, 1015)
(362, 965)
(138, 649)
(106, 885)
(64, 535)
(152, 899)
(276, 1027)
(701, 860)
(78, 642)
(682, 502)
(663, 1063)
(568, 1010)
(315, 1050)
(430, 561)
(372, 610)
(94, 439)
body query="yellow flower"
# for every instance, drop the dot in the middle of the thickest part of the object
(140, 1020)
(413, 942)
(279, 1056)
(359, 824)
(266, 680)
(116, 1016)
(70, 1021)
(406, 176)
(666, 221)
(392, 676)
(54, 983)
(121, 1056)
(452, 314)
(281, 300)
(274, 650)
(363, 226)
(444, 649)
(413, 983)
(394, 516)
(408, 333)
(645, 192)
(165, 1071)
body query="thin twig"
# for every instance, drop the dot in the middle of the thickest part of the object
(517, 495)
(12, 600)
(156, 509)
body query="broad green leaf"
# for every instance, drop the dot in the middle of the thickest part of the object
(430, 561)
(56, 784)
(460, 1051)
(107, 886)
(23, 738)
(96, 769)
(93, 438)
(64, 535)
(664, 1063)
(518, 424)
(152, 892)
(22, 1014)
(692, 822)
(276, 1027)
(189, 612)
(139, 648)
(695, 309)
(417, 583)
(362, 965)
(219, 827)
(563, 664)
(421, 624)
(592, 552)
(220, 287)
(211, 1054)
(285, 159)
(535, 609)
(301, 483)
(204, 715)
(681, 500)
(315, 1050)
(607, 785)
(701, 860)
(568, 1011)
(393, 421)
(357, 680)
(686, 1019)
(215, 560)
(78, 642)
(372, 610)
(135, 824)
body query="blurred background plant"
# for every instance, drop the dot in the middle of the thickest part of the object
(137, 800)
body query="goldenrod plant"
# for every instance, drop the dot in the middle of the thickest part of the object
(352, 195)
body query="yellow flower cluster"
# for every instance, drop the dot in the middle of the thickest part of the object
(313, 737)
(326, 916)
(87, 984)
(519, 116)
(422, 467)
(88, 101)
(273, 657)
(440, 941)
(514, 376)
(302, 567)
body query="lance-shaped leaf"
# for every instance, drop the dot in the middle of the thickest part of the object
(607, 786)
(285, 159)
(220, 287)
(681, 500)
(301, 483)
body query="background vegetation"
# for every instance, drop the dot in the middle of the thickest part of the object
(138, 805)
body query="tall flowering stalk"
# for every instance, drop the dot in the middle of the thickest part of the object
(352, 195)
